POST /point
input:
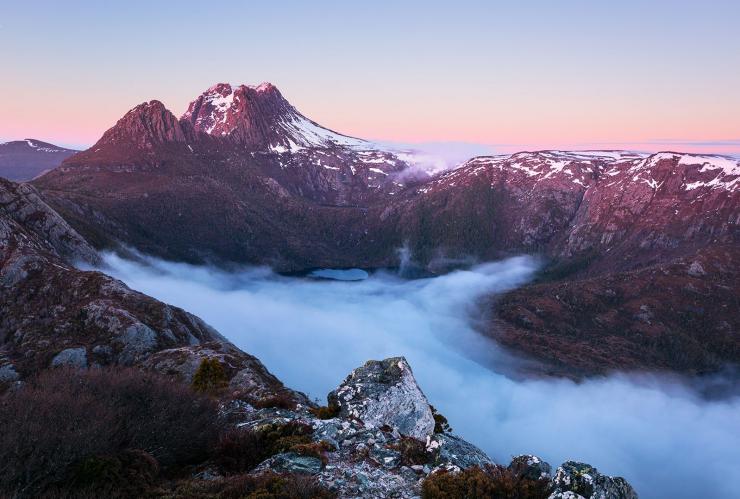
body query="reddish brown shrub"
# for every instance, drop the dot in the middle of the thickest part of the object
(279, 400)
(490, 482)
(326, 412)
(267, 485)
(64, 417)
(413, 451)
(241, 450)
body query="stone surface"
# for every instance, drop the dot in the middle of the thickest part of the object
(366, 460)
(71, 357)
(290, 462)
(585, 480)
(531, 467)
(385, 393)
(457, 452)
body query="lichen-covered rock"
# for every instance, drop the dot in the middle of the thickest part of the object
(586, 481)
(385, 393)
(457, 452)
(565, 495)
(290, 462)
(247, 376)
(530, 466)
(376, 460)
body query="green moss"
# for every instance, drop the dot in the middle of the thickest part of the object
(210, 377)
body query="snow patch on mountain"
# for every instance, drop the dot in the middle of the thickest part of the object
(304, 133)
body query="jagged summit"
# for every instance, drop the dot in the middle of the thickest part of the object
(257, 117)
(145, 125)
(260, 116)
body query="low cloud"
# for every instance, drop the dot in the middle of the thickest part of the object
(659, 433)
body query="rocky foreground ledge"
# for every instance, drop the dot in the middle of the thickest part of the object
(380, 437)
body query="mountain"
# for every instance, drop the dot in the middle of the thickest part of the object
(601, 210)
(378, 436)
(26, 159)
(243, 177)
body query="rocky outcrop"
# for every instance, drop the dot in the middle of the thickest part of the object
(247, 376)
(29, 224)
(578, 480)
(54, 314)
(385, 393)
(364, 456)
(144, 126)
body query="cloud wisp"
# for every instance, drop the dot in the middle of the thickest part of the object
(657, 432)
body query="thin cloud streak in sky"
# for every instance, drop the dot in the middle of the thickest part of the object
(659, 434)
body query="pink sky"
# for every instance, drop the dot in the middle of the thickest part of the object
(541, 75)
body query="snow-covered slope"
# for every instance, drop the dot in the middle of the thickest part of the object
(260, 116)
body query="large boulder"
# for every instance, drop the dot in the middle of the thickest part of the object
(385, 393)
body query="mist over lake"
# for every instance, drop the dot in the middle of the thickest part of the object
(657, 432)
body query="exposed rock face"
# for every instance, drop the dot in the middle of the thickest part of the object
(72, 357)
(574, 480)
(144, 126)
(22, 160)
(28, 224)
(530, 466)
(363, 459)
(248, 377)
(385, 393)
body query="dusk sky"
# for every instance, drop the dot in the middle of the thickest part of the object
(513, 75)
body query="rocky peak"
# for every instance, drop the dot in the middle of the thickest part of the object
(385, 393)
(260, 117)
(243, 113)
(144, 126)
(687, 172)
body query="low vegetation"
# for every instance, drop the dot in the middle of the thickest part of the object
(210, 377)
(125, 433)
(489, 482)
(240, 450)
(280, 400)
(326, 412)
(413, 451)
(267, 485)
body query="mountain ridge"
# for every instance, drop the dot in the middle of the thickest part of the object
(587, 213)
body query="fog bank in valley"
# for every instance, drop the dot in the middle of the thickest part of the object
(658, 433)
